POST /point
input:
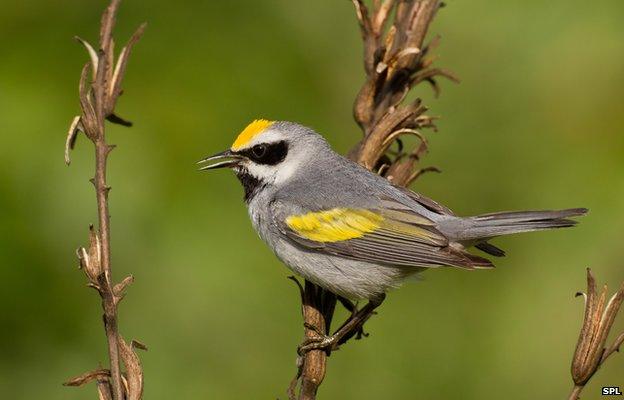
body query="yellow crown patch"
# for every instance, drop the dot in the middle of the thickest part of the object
(250, 132)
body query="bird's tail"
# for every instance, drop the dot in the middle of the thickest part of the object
(487, 226)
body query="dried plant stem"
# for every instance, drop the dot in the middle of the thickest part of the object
(108, 298)
(576, 393)
(97, 99)
(318, 306)
(395, 61)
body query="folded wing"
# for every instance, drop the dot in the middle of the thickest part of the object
(392, 236)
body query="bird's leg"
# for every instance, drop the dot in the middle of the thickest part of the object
(347, 330)
(352, 308)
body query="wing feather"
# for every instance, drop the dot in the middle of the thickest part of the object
(397, 236)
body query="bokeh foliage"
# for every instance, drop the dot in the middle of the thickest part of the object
(536, 123)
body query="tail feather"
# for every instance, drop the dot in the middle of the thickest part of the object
(540, 215)
(490, 249)
(505, 223)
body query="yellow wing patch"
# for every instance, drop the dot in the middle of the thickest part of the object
(334, 225)
(417, 233)
(250, 132)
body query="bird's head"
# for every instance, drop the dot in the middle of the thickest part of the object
(270, 152)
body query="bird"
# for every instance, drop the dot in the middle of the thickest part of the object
(350, 230)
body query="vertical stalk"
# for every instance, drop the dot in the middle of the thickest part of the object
(109, 303)
(99, 88)
(576, 393)
(318, 308)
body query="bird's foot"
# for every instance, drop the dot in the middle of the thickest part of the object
(353, 326)
(360, 333)
(321, 342)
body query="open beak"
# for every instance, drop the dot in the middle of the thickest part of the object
(226, 159)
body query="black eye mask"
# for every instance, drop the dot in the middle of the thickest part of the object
(266, 154)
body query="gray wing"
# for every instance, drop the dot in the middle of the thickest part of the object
(439, 209)
(390, 233)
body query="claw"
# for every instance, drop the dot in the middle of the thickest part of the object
(361, 334)
(321, 342)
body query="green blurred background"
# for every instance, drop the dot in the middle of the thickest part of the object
(536, 123)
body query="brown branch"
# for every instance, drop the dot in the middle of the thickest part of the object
(97, 101)
(575, 393)
(591, 350)
(395, 61)
(317, 308)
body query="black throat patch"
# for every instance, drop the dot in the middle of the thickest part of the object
(251, 184)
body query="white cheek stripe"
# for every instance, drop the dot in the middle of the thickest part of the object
(275, 174)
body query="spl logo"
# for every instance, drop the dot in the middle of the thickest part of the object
(611, 391)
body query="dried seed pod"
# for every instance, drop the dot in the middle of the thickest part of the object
(91, 259)
(598, 320)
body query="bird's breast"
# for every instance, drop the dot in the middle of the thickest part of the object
(261, 220)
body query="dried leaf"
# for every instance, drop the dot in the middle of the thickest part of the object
(70, 141)
(381, 16)
(119, 289)
(92, 54)
(362, 15)
(120, 68)
(91, 260)
(104, 390)
(95, 249)
(110, 63)
(389, 44)
(88, 377)
(107, 23)
(134, 372)
(89, 118)
(407, 52)
(612, 308)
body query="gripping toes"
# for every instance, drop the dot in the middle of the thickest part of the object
(321, 342)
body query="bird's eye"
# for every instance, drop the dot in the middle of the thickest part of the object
(259, 150)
